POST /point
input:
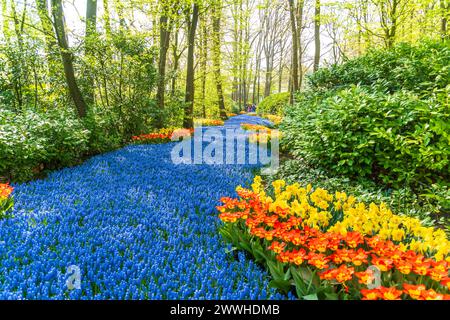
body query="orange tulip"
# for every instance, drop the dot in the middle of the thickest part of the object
(421, 268)
(446, 282)
(344, 273)
(404, 267)
(372, 294)
(277, 247)
(383, 264)
(353, 239)
(298, 256)
(414, 291)
(390, 293)
(318, 260)
(431, 295)
(359, 257)
(365, 277)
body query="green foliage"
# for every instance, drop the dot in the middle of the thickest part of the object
(38, 128)
(31, 140)
(125, 74)
(404, 67)
(397, 138)
(382, 120)
(274, 104)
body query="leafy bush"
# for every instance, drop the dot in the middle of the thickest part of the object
(405, 66)
(274, 103)
(378, 126)
(362, 132)
(30, 141)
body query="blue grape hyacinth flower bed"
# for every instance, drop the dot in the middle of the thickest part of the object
(136, 225)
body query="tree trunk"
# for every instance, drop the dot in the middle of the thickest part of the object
(164, 34)
(67, 58)
(216, 12)
(316, 35)
(90, 39)
(176, 60)
(295, 38)
(107, 18)
(268, 78)
(445, 9)
(299, 18)
(203, 60)
(91, 18)
(188, 121)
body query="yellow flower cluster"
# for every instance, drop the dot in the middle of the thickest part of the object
(379, 220)
(276, 120)
(264, 137)
(254, 127)
(167, 130)
(317, 207)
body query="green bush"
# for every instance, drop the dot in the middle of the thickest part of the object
(422, 67)
(396, 138)
(381, 118)
(30, 141)
(274, 103)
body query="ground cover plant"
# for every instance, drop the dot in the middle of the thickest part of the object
(134, 233)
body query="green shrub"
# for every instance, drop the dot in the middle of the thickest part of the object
(274, 103)
(30, 141)
(396, 138)
(422, 67)
(381, 118)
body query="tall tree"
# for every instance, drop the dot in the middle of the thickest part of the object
(164, 38)
(188, 121)
(316, 35)
(107, 19)
(300, 27)
(67, 58)
(255, 95)
(445, 7)
(90, 38)
(295, 40)
(203, 61)
(216, 14)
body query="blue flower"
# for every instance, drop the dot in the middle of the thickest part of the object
(136, 225)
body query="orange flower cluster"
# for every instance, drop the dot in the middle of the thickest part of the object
(340, 260)
(5, 190)
(164, 135)
(209, 122)
(416, 292)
